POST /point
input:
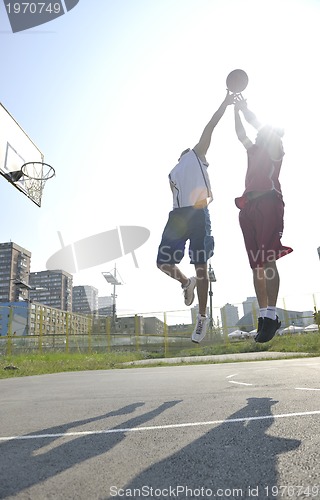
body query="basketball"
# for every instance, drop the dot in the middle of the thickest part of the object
(237, 81)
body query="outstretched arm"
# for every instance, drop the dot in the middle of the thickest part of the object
(270, 137)
(240, 130)
(203, 145)
(250, 117)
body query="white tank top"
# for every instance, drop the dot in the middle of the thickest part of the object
(190, 182)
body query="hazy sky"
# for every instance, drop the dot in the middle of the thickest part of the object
(112, 92)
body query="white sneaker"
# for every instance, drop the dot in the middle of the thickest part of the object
(200, 329)
(188, 291)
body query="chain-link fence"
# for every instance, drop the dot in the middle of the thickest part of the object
(32, 327)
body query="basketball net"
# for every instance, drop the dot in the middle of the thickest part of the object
(35, 176)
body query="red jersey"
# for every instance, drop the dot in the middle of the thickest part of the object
(262, 174)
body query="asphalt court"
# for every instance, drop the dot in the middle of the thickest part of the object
(234, 430)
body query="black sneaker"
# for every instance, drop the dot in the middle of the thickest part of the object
(260, 323)
(268, 331)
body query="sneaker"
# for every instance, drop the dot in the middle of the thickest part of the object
(260, 323)
(200, 329)
(188, 291)
(268, 331)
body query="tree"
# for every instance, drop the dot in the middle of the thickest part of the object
(316, 316)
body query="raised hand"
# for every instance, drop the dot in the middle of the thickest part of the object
(240, 102)
(230, 98)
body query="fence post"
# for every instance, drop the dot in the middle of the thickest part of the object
(90, 322)
(67, 331)
(9, 332)
(136, 330)
(165, 333)
(225, 326)
(40, 332)
(254, 316)
(108, 327)
(28, 325)
(285, 312)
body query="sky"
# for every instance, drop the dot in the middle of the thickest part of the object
(112, 92)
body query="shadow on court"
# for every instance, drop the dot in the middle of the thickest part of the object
(239, 458)
(21, 467)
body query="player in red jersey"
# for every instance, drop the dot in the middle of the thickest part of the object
(261, 215)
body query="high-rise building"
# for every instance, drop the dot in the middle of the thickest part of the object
(250, 305)
(250, 312)
(154, 326)
(195, 311)
(84, 299)
(52, 288)
(14, 272)
(105, 306)
(229, 317)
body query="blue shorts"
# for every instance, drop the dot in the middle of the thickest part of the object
(186, 223)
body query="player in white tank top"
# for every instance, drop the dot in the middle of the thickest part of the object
(190, 220)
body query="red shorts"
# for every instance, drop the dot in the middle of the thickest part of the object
(261, 221)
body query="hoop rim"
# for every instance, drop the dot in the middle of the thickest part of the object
(51, 170)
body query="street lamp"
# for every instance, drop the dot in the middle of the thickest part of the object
(112, 279)
(212, 279)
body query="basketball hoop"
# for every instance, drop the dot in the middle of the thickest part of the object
(34, 176)
(38, 171)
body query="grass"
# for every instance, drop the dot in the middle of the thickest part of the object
(39, 364)
(26, 364)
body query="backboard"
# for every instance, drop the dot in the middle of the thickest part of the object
(16, 148)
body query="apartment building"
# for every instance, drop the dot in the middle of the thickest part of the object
(14, 272)
(105, 306)
(230, 317)
(153, 326)
(52, 288)
(84, 299)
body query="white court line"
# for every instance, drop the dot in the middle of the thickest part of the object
(161, 427)
(239, 383)
(306, 389)
(233, 375)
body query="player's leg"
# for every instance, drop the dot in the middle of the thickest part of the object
(188, 284)
(271, 228)
(200, 251)
(272, 281)
(171, 252)
(259, 282)
(202, 322)
(174, 272)
(202, 287)
(271, 321)
(273, 212)
(249, 224)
